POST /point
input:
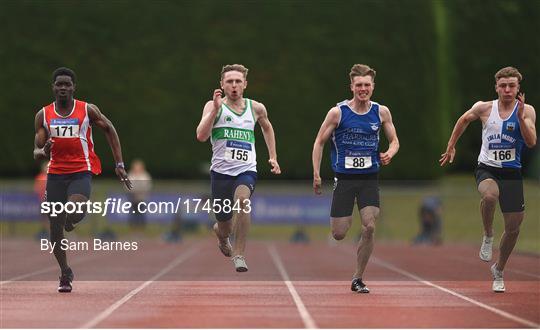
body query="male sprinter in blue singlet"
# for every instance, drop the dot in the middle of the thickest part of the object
(354, 126)
(230, 124)
(507, 124)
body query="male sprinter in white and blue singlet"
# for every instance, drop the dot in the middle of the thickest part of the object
(507, 125)
(230, 124)
(354, 126)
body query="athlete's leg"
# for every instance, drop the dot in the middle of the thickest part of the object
(224, 228)
(242, 219)
(512, 223)
(512, 204)
(221, 190)
(368, 203)
(487, 181)
(369, 215)
(78, 192)
(244, 185)
(57, 235)
(489, 195)
(56, 192)
(340, 226)
(342, 207)
(73, 218)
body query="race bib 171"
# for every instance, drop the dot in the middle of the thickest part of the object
(64, 128)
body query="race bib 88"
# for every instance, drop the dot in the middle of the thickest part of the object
(358, 159)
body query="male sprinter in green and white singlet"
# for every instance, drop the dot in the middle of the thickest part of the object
(230, 123)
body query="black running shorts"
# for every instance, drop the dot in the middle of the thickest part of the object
(61, 186)
(510, 182)
(347, 187)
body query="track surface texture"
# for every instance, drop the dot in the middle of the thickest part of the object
(191, 285)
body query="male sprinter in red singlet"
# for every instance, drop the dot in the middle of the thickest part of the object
(64, 134)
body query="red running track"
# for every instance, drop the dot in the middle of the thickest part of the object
(191, 285)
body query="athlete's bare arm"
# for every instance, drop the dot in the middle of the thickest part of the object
(98, 119)
(391, 136)
(210, 112)
(327, 128)
(527, 120)
(480, 110)
(261, 115)
(42, 143)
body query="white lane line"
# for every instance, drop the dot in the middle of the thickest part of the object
(508, 270)
(309, 323)
(44, 270)
(455, 294)
(521, 272)
(107, 312)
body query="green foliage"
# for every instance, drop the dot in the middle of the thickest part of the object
(488, 36)
(151, 66)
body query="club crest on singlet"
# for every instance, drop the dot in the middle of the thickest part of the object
(355, 141)
(233, 141)
(501, 140)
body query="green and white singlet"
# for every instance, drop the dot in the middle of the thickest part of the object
(233, 141)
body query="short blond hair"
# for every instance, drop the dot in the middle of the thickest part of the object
(508, 72)
(234, 67)
(362, 70)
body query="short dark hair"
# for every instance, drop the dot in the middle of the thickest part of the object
(63, 71)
